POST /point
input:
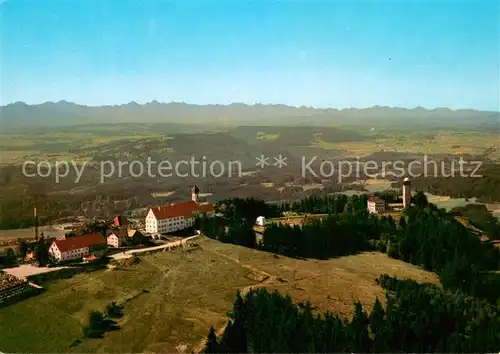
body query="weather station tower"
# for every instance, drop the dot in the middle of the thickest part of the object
(406, 192)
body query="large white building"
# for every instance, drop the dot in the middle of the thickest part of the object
(375, 205)
(176, 216)
(78, 247)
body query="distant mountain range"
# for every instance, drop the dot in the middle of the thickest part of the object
(65, 113)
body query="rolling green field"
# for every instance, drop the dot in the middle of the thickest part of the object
(440, 142)
(82, 143)
(172, 298)
(61, 146)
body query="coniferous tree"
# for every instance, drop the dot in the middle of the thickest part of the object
(42, 252)
(376, 317)
(378, 328)
(358, 330)
(22, 248)
(420, 199)
(234, 339)
(212, 343)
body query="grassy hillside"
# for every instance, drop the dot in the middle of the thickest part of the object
(171, 298)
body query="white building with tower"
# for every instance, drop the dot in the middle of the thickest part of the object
(177, 216)
(406, 193)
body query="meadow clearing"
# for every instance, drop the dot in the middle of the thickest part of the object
(439, 142)
(172, 298)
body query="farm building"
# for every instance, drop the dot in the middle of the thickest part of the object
(119, 238)
(78, 247)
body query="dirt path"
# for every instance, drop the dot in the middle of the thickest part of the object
(154, 306)
(237, 261)
(269, 279)
(165, 247)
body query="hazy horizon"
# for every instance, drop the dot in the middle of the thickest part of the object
(338, 55)
(243, 103)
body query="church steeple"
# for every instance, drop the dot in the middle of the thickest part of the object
(194, 193)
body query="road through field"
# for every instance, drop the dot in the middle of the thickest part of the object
(166, 246)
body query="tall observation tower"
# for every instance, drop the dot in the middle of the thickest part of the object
(406, 192)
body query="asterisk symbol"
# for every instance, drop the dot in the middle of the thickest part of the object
(262, 161)
(280, 161)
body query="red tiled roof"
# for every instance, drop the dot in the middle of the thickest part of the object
(185, 209)
(206, 208)
(375, 199)
(73, 243)
(120, 221)
(119, 233)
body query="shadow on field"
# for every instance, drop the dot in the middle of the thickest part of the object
(69, 272)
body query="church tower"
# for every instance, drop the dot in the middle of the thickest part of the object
(406, 192)
(194, 193)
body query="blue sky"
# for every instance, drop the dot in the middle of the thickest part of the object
(317, 53)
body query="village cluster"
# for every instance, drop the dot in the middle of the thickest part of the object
(122, 237)
(160, 220)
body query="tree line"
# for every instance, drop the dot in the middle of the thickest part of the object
(434, 240)
(336, 235)
(246, 208)
(485, 188)
(480, 217)
(415, 318)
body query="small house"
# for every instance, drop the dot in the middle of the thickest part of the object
(123, 237)
(117, 238)
(375, 205)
